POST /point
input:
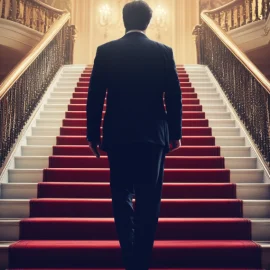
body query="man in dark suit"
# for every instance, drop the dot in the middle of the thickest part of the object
(136, 73)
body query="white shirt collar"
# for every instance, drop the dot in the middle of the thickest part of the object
(132, 31)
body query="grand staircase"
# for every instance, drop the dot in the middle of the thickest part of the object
(55, 205)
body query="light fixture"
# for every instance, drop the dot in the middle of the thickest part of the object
(159, 20)
(105, 17)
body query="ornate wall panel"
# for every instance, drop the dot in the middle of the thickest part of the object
(182, 16)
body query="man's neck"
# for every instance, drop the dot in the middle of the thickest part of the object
(135, 30)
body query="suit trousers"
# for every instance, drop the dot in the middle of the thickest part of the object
(136, 169)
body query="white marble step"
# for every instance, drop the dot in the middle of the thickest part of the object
(206, 108)
(199, 76)
(221, 123)
(55, 131)
(19, 208)
(245, 191)
(209, 96)
(61, 114)
(226, 151)
(36, 176)
(75, 79)
(199, 89)
(74, 84)
(201, 95)
(58, 122)
(188, 71)
(9, 229)
(217, 115)
(215, 102)
(40, 162)
(221, 141)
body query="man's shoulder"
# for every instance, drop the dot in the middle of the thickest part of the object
(116, 42)
(108, 44)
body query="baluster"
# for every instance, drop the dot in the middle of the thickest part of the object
(3, 8)
(31, 13)
(238, 17)
(226, 21)
(11, 2)
(244, 14)
(18, 11)
(257, 10)
(232, 18)
(219, 19)
(263, 9)
(24, 12)
(267, 8)
(45, 21)
(38, 12)
(250, 10)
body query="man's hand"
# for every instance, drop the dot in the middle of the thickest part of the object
(174, 145)
(93, 146)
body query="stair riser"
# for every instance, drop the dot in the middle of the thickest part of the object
(43, 162)
(58, 122)
(61, 115)
(13, 209)
(221, 141)
(10, 231)
(73, 84)
(66, 101)
(51, 131)
(36, 176)
(48, 151)
(26, 191)
(205, 88)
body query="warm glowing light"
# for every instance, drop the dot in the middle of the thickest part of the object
(105, 14)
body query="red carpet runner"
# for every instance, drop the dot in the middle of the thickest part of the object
(71, 225)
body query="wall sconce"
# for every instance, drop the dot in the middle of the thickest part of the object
(105, 17)
(159, 20)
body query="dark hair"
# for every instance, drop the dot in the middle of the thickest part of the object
(137, 15)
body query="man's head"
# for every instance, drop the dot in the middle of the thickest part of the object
(137, 15)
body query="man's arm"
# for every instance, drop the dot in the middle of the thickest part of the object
(173, 100)
(95, 100)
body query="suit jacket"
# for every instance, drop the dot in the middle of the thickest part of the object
(134, 73)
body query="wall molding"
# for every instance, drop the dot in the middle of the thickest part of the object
(252, 36)
(18, 36)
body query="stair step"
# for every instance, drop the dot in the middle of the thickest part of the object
(9, 229)
(55, 131)
(226, 151)
(64, 107)
(212, 123)
(220, 141)
(104, 229)
(221, 123)
(36, 175)
(258, 191)
(20, 208)
(48, 254)
(40, 162)
(65, 100)
(217, 115)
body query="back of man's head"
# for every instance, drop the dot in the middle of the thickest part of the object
(137, 15)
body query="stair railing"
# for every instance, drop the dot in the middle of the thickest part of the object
(245, 86)
(239, 13)
(22, 89)
(31, 13)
